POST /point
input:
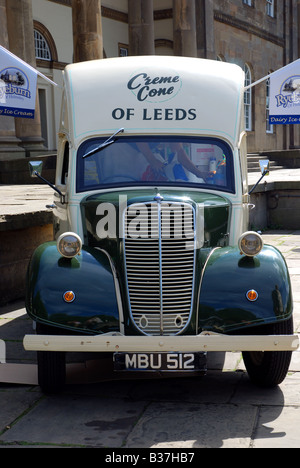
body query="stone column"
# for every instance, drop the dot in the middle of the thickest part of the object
(201, 28)
(141, 27)
(205, 29)
(87, 30)
(8, 140)
(184, 28)
(21, 43)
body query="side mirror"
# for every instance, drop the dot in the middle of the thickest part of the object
(35, 168)
(264, 165)
(264, 169)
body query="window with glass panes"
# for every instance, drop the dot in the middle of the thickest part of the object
(42, 50)
(270, 8)
(248, 99)
(269, 127)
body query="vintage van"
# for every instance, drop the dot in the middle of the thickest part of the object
(152, 260)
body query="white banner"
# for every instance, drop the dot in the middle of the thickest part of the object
(285, 95)
(17, 86)
(18, 82)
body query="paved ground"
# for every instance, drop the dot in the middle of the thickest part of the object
(285, 177)
(221, 410)
(23, 199)
(24, 206)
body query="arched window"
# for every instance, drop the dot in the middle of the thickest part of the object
(45, 48)
(248, 99)
(42, 49)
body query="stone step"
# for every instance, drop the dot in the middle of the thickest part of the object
(253, 163)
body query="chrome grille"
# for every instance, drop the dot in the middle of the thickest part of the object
(159, 253)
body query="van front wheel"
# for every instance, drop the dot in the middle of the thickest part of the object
(269, 369)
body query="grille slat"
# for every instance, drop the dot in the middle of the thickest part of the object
(160, 269)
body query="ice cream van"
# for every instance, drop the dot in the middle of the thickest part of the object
(152, 259)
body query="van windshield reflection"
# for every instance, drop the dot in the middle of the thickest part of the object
(147, 161)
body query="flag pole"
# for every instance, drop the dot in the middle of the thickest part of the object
(268, 76)
(257, 82)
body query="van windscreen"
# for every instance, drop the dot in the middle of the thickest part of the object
(169, 160)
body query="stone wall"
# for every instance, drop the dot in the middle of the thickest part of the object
(16, 171)
(16, 248)
(244, 35)
(289, 158)
(275, 209)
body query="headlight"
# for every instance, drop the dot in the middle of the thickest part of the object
(251, 243)
(69, 244)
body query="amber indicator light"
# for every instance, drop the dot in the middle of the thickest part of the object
(252, 295)
(69, 296)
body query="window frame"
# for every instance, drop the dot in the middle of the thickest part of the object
(270, 8)
(41, 46)
(84, 148)
(43, 31)
(123, 50)
(269, 127)
(248, 99)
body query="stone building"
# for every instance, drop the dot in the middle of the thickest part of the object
(259, 35)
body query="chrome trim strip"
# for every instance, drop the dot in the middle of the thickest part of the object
(200, 284)
(160, 267)
(118, 292)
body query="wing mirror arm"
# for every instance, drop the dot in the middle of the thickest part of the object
(264, 169)
(35, 169)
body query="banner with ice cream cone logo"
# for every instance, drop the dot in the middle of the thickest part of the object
(18, 85)
(285, 95)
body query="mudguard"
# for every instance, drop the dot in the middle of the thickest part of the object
(88, 275)
(228, 276)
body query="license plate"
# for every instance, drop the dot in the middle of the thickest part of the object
(159, 361)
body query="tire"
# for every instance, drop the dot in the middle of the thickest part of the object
(51, 366)
(269, 369)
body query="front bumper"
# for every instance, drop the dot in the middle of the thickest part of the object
(204, 342)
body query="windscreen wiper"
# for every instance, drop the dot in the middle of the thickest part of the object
(107, 142)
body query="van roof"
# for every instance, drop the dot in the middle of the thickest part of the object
(155, 95)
